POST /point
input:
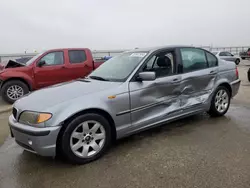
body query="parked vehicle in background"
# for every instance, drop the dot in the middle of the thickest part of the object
(45, 69)
(129, 93)
(248, 74)
(227, 56)
(245, 54)
(23, 59)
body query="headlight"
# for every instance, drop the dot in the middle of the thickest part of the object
(32, 118)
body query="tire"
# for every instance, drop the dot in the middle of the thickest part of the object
(83, 141)
(214, 111)
(237, 61)
(16, 85)
(248, 74)
(243, 58)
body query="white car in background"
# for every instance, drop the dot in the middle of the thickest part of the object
(227, 56)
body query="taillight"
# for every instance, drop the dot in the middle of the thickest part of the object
(237, 72)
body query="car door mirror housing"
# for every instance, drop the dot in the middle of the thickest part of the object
(146, 76)
(41, 63)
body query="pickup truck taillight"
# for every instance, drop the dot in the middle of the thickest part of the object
(237, 73)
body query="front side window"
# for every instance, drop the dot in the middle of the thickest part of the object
(162, 64)
(118, 68)
(77, 56)
(193, 59)
(53, 58)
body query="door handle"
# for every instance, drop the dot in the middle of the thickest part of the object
(175, 80)
(212, 72)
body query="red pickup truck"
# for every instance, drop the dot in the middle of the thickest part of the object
(45, 69)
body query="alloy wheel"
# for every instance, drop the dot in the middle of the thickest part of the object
(14, 92)
(87, 139)
(221, 101)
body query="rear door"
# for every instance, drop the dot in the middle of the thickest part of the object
(153, 101)
(54, 70)
(79, 63)
(199, 71)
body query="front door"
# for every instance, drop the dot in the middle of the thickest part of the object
(53, 71)
(154, 101)
(199, 71)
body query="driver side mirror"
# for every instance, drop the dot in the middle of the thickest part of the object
(146, 76)
(41, 63)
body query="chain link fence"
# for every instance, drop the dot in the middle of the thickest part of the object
(99, 54)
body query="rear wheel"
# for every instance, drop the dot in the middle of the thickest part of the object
(13, 90)
(220, 102)
(86, 138)
(237, 61)
(243, 58)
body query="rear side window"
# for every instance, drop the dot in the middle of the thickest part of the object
(77, 56)
(193, 59)
(211, 59)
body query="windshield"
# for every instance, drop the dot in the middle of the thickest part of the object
(118, 68)
(33, 59)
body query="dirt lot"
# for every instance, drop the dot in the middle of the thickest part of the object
(198, 151)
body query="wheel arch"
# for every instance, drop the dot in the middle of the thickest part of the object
(91, 110)
(19, 79)
(228, 86)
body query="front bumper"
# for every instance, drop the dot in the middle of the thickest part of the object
(235, 85)
(41, 141)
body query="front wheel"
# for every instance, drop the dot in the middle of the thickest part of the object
(86, 138)
(13, 90)
(220, 102)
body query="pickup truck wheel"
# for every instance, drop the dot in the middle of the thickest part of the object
(243, 58)
(13, 90)
(237, 61)
(220, 102)
(86, 138)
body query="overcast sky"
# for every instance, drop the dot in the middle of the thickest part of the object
(121, 24)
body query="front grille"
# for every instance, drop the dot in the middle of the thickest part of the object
(14, 112)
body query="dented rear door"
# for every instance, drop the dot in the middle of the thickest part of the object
(198, 78)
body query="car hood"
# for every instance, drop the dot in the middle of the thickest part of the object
(42, 99)
(10, 64)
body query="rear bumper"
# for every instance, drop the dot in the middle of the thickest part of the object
(235, 85)
(41, 141)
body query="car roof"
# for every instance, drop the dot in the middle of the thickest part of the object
(61, 49)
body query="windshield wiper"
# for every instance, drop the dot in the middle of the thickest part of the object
(98, 78)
